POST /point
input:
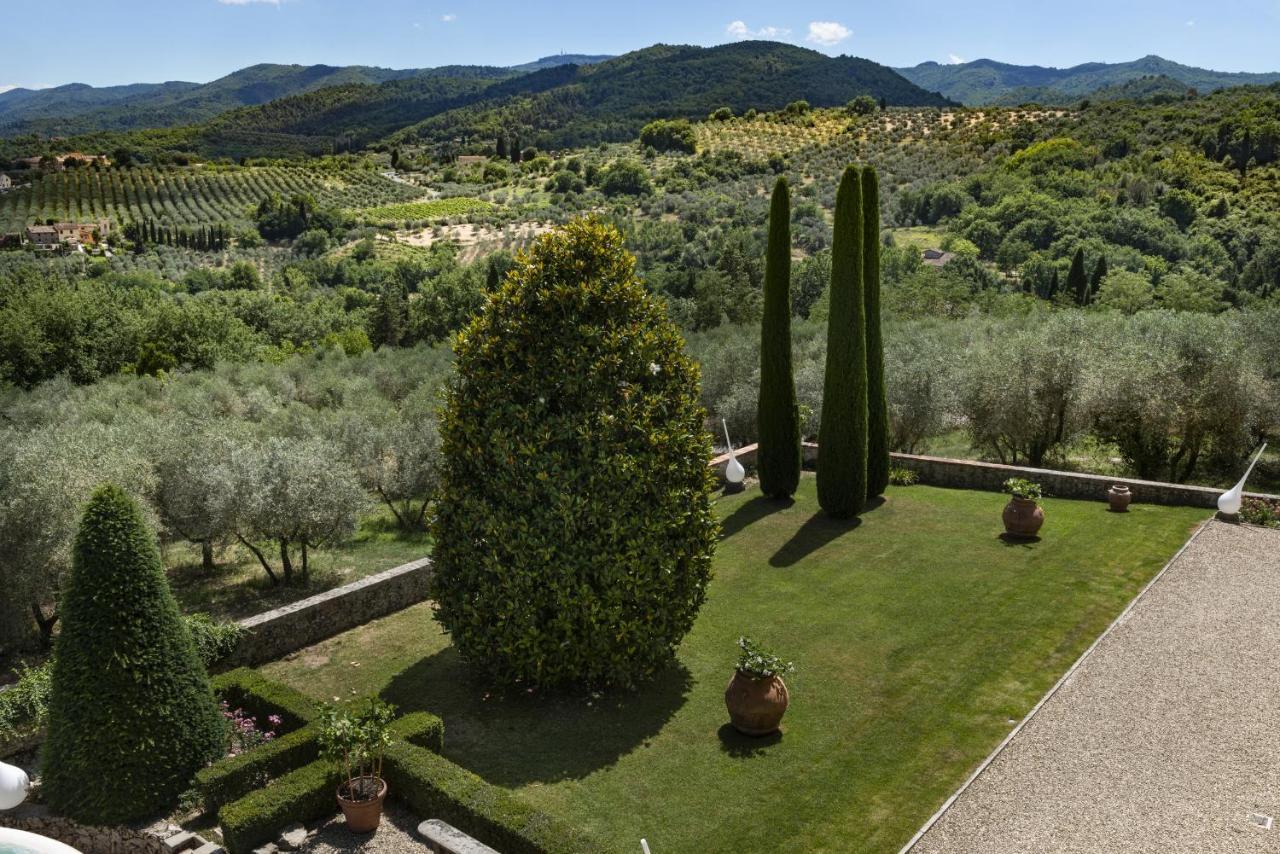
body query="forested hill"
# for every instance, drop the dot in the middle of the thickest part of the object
(985, 81)
(609, 101)
(78, 109)
(557, 106)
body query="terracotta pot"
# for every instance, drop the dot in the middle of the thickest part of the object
(1119, 497)
(1022, 517)
(756, 706)
(363, 816)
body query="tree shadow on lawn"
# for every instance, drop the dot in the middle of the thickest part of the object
(513, 738)
(817, 532)
(1015, 540)
(752, 511)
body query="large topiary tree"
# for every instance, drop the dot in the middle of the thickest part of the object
(842, 433)
(778, 460)
(574, 529)
(877, 399)
(131, 713)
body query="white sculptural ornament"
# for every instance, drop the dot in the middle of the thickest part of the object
(14, 784)
(733, 472)
(1230, 502)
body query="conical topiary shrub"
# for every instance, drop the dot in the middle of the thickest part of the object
(131, 713)
(877, 400)
(777, 414)
(842, 434)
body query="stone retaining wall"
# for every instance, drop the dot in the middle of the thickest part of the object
(276, 633)
(34, 818)
(968, 474)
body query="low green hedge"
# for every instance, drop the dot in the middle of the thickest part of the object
(232, 778)
(249, 690)
(434, 787)
(421, 729)
(236, 776)
(304, 795)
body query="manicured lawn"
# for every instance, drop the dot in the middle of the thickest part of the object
(919, 634)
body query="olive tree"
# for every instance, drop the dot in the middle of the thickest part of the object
(45, 478)
(1021, 393)
(294, 493)
(196, 484)
(396, 456)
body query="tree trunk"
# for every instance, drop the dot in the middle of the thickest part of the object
(285, 563)
(206, 556)
(306, 568)
(261, 559)
(46, 624)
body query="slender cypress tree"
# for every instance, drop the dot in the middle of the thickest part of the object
(1077, 280)
(877, 400)
(778, 416)
(842, 435)
(1099, 273)
(502, 145)
(1053, 287)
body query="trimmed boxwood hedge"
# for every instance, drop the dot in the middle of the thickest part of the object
(304, 795)
(232, 778)
(434, 787)
(416, 774)
(249, 690)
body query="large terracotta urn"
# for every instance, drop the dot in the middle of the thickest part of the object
(756, 706)
(1119, 497)
(363, 816)
(1023, 517)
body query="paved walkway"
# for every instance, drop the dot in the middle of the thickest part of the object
(1166, 738)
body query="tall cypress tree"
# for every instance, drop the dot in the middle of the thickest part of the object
(1099, 273)
(842, 435)
(877, 400)
(502, 145)
(131, 713)
(777, 415)
(1077, 281)
(1053, 287)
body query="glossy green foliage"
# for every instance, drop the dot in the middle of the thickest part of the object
(574, 530)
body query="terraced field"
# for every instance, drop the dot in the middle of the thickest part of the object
(187, 196)
(421, 211)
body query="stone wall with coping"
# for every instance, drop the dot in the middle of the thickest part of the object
(278, 632)
(969, 474)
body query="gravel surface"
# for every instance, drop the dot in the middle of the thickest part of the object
(396, 834)
(1166, 738)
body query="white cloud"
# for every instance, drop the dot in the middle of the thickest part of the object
(827, 33)
(740, 30)
(1191, 23)
(449, 18)
(953, 59)
(5, 87)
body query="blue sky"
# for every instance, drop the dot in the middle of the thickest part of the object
(122, 41)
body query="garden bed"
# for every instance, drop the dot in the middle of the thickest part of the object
(920, 636)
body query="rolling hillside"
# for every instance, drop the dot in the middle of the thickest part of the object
(985, 81)
(79, 109)
(611, 100)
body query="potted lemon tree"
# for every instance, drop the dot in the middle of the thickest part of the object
(356, 739)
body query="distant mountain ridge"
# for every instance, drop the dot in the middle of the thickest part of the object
(558, 105)
(78, 108)
(985, 81)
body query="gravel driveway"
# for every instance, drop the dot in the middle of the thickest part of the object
(1166, 738)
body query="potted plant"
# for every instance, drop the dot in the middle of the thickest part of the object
(757, 698)
(356, 740)
(1023, 515)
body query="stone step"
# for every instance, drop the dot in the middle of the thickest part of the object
(210, 848)
(444, 838)
(181, 841)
